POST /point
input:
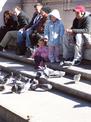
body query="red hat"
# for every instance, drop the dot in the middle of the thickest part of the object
(79, 8)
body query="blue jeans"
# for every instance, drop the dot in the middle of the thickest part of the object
(21, 34)
(24, 35)
(28, 41)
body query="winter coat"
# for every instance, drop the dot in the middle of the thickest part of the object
(41, 24)
(23, 20)
(82, 25)
(41, 51)
(33, 23)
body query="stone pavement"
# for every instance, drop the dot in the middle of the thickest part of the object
(46, 106)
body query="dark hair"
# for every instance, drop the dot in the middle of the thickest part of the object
(19, 8)
(46, 9)
(42, 40)
(7, 12)
(38, 4)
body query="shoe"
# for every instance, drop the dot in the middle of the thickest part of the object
(1, 48)
(61, 63)
(52, 61)
(28, 53)
(68, 63)
(71, 63)
(76, 62)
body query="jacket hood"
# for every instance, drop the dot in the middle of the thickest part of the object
(56, 14)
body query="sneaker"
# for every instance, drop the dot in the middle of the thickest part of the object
(28, 52)
(61, 63)
(76, 62)
(71, 63)
(52, 61)
(68, 63)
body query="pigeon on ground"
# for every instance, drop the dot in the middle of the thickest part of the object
(77, 77)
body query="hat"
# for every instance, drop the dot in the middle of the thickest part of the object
(79, 8)
(46, 10)
(37, 4)
(56, 14)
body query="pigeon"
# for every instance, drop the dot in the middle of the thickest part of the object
(3, 78)
(77, 77)
(11, 79)
(34, 84)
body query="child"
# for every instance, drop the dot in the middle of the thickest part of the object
(53, 33)
(40, 54)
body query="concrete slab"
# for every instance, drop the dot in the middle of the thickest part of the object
(46, 107)
(84, 69)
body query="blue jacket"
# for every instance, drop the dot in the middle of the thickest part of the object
(54, 32)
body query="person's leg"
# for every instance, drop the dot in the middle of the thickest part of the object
(38, 61)
(68, 46)
(7, 38)
(21, 48)
(20, 37)
(57, 53)
(51, 54)
(28, 41)
(78, 47)
(79, 41)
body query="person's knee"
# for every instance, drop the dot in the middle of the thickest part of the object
(19, 34)
(79, 39)
(78, 35)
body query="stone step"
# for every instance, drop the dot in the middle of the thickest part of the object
(84, 69)
(64, 84)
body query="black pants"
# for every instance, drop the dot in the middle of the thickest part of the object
(39, 61)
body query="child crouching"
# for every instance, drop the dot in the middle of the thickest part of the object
(40, 54)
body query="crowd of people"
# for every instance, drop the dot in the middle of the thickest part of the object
(42, 36)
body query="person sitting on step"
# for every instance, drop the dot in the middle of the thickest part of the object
(25, 32)
(75, 38)
(23, 20)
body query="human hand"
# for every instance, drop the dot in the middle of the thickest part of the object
(69, 31)
(46, 40)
